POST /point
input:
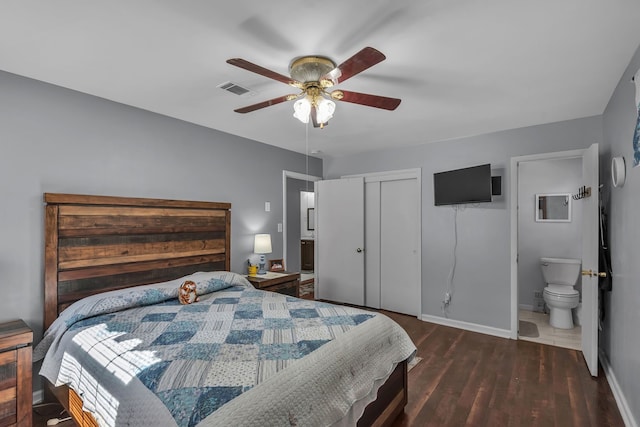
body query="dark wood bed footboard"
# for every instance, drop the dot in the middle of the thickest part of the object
(73, 404)
(391, 400)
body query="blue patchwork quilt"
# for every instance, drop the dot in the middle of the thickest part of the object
(117, 348)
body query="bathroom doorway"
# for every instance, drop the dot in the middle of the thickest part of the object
(524, 210)
(547, 235)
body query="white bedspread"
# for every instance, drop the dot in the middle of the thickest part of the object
(320, 389)
(108, 349)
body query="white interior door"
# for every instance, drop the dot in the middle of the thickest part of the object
(590, 260)
(399, 241)
(372, 259)
(340, 240)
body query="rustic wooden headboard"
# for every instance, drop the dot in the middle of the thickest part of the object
(96, 244)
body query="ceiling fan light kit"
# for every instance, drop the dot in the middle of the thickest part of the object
(310, 68)
(313, 75)
(324, 108)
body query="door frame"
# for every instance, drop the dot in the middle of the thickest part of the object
(515, 161)
(295, 175)
(415, 173)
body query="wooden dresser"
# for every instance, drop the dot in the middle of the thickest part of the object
(282, 282)
(307, 249)
(16, 395)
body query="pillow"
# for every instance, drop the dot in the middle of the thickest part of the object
(187, 292)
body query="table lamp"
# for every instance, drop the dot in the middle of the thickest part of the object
(262, 245)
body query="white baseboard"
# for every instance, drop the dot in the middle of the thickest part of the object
(473, 327)
(526, 307)
(623, 406)
(38, 396)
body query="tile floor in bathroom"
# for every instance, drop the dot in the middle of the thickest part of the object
(567, 338)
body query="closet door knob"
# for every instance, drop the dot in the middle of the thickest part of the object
(359, 250)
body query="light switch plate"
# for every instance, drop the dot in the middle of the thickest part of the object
(267, 206)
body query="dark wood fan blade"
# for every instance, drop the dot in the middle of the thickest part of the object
(370, 100)
(263, 104)
(359, 62)
(238, 62)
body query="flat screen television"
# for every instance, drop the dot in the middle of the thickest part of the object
(467, 185)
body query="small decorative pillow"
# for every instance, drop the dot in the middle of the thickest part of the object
(187, 292)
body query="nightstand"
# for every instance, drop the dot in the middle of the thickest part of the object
(282, 282)
(16, 396)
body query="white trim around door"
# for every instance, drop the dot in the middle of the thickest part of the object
(515, 161)
(294, 175)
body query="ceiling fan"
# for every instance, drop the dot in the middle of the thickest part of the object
(313, 75)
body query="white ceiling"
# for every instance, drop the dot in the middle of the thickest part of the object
(461, 68)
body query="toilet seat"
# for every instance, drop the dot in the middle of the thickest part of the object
(561, 291)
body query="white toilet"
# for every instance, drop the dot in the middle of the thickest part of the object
(560, 275)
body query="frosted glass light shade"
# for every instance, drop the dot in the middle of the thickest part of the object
(302, 109)
(262, 244)
(325, 110)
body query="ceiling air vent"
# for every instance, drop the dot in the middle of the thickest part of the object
(234, 88)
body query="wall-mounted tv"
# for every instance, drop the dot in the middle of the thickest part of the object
(468, 185)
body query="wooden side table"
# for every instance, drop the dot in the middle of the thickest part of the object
(284, 282)
(16, 396)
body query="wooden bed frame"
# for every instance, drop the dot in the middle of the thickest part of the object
(95, 244)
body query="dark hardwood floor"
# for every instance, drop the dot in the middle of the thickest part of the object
(472, 379)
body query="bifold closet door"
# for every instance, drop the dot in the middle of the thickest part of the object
(399, 243)
(340, 240)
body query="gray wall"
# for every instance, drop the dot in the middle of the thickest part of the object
(620, 339)
(546, 239)
(481, 285)
(57, 140)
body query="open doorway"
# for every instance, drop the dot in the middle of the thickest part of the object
(549, 228)
(299, 228)
(307, 242)
(586, 195)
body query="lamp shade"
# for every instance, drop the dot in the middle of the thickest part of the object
(262, 244)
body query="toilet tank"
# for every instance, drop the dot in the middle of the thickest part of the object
(560, 271)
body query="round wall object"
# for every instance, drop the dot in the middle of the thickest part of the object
(618, 172)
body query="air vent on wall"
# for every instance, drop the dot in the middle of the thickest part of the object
(236, 89)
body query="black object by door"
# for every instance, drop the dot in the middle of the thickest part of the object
(306, 254)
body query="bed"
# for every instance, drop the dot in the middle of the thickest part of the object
(113, 267)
